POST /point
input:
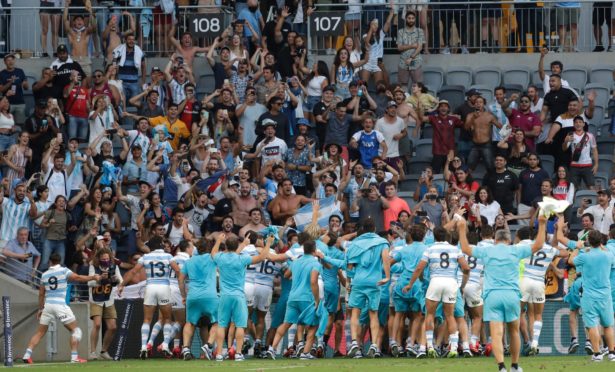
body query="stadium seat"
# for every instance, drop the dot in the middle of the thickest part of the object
(485, 91)
(433, 78)
(606, 145)
(605, 164)
(206, 84)
(418, 165)
(423, 148)
(601, 74)
(393, 78)
(459, 75)
(480, 171)
(516, 75)
(598, 117)
(547, 162)
(514, 89)
(536, 78)
(489, 76)
(426, 132)
(454, 94)
(593, 129)
(602, 181)
(409, 183)
(585, 194)
(602, 93)
(576, 77)
(605, 129)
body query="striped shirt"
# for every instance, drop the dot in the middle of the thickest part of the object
(157, 266)
(476, 265)
(265, 272)
(250, 250)
(55, 280)
(180, 259)
(396, 247)
(14, 216)
(535, 266)
(441, 258)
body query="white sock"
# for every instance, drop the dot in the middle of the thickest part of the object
(429, 336)
(536, 333)
(292, 332)
(422, 348)
(27, 354)
(454, 338)
(144, 334)
(473, 339)
(155, 330)
(166, 331)
(74, 355)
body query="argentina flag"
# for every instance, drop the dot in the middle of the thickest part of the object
(328, 206)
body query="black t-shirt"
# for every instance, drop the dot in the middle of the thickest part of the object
(503, 187)
(463, 111)
(319, 108)
(45, 93)
(285, 62)
(269, 32)
(62, 78)
(363, 105)
(557, 101)
(219, 75)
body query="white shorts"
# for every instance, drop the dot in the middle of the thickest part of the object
(372, 68)
(391, 290)
(262, 297)
(473, 295)
(442, 290)
(532, 291)
(248, 289)
(176, 298)
(53, 311)
(157, 294)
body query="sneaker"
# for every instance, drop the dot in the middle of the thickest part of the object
(338, 354)
(270, 354)
(258, 348)
(231, 353)
(604, 350)
(239, 357)
(431, 352)
(533, 350)
(466, 353)
(446, 50)
(574, 346)
(290, 351)
(219, 358)
(78, 360)
(358, 355)
(320, 351)
(299, 350)
(247, 344)
(144, 354)
(611, 357)
(150, 350)
(27, 360)
(306, 356)
(411, 351)
(475, 348)
(93, 356)
(488, 349)
(597, 358)
(464, 50)
(503, 370)
(452, 354)
(372, 351)
(506, 350)
(598, 48)
(518, 369)
(177, 352)
(611, 49)
(186, 354)
(588, 348)
(378, 355)
(207, 352)
(354, 349)
(106, 356)
(421, 355)
(166, 352)
(395, 350)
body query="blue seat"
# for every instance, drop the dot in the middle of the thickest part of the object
(433, 77)
(601, 74)
(459, 75)
(516, 75)
(576, 77)
(454, 94)
(489, 76)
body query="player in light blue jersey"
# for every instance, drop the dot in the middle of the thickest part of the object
(443, 261)
(201, 298)
(596, 303)
(232, 306)
(52, 305)
(501, 286)
(610, 245)
(157, 266)
(533, 285)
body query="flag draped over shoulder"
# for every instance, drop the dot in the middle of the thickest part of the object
(212, 182)
(328, 207)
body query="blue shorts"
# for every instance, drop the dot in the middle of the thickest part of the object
(413, 301)
(573, 297)
(597, 312)
(383, 315)
(331, 300)
(233, 309)
(280, 310)
(310, 102)
(196, 308)
(301, 312)
(367, 298)
(501, 306)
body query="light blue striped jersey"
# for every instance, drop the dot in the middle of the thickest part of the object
(535, 266)
(157, 266)
(476, 265)
(180, 259)
(264, 272)
(250, 250)
(441, 258)
(397, 268)
(55, 280)
(14, 216)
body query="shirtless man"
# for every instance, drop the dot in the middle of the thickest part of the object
(479, 123)
(184, 48)
(286, 204)
(404, 110)
(255, 223)
(112, 36)
(227, 229)
(79, 35)
(242, 202)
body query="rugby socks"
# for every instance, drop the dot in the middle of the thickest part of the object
(454, 340)
(155, 330)
(166, 331)
(292, 332)
(145, 334)
(27, 354)
(429, 336)
(347, 330)
(536, 333)
(465, 345)
(74, 356)
(473, 339)
(176, 330)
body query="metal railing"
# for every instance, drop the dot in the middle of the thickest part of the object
(21, 271)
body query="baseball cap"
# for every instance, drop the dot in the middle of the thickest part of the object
(62, 49)
(443, 102)
(9, 55)
(603, 191)
(269, 122)
(233, 182)
(391, 104)
(472, 92)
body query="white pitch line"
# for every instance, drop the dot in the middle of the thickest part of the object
(272, 368)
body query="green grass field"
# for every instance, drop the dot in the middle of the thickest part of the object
(564, 364)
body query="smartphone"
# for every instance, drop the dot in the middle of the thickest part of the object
(180, 60)
(111, 131)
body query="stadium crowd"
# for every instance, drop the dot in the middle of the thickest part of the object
(123, 175)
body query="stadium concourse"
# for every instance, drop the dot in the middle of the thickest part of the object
(224, 182)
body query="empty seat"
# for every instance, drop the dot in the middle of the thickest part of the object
(485, 91)
(547, 162)
(489, 76)
(459, 75)
(514, 89)
(602, 92)
(536, 78)
(593, 129)
(454, 94)
(601, 74)
(417, 165)
(409, 184)
(605, 164)
(602, 181)
(206, 84)
(516, 75)
(426, 132)
(606, 145)
(576, 76)
(433, 77)
(423, 148)
(598, 117)
(605, 129)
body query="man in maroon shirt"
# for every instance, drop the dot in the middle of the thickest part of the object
(443, 132)
(525, 119)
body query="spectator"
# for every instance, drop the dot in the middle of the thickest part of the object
(297, 161)
(396, 204)
(320, 112)
(55, 221)
(7, 125)
(564, 189)
(601, 14)
(134, 205)
(317, 81)
(271, 148)
(365, 102)
(49, 15)
(369, 143)
(184, 47)
(486, 206)
(529, 17)
(190, 107)
(371, 205)
(515, 150)
(602, 213)
(18, 156)
(23, 258)
(535, 100)
(134, 171)
(464, 140)
(410, 40)
(43, 88)
(556, 69)
(530, 183)
(254, 22)
(556, 103)
(464, 186)
(430, 205)
(426, 182)
(480, 125)
(393, 129)
(503, 185)
(12, 84)
(525, 119)
(498, 108)
(42, 128)
(79, 33)
(102, 119)
(342, 73)
(567, 17)
(112, 37)
(148, 103)
(63, 68)
(583, 151)
(490, 14)
(246, 112)
(219, 68)
(131, 65)
(587, 224)
(338, 125)
(102, 87)
(374, 40)
(175, 127)
(178, 75)
(77, 107)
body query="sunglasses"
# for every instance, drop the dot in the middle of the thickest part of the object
(456, 159)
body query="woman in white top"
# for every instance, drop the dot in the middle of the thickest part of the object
(486, 206)
(237, 51)
(342, 73)
(112, 79)
(7, 125)
(102, 118)
(316, 82)
(354, 48)
(374, 42)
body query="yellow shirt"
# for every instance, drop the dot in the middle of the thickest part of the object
(178, 129)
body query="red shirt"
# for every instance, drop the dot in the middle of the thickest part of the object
(396, 205)
(444, 133)
(77, 102)
(526, 122)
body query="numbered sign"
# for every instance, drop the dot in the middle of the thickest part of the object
(327, 24)
(206, 25)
